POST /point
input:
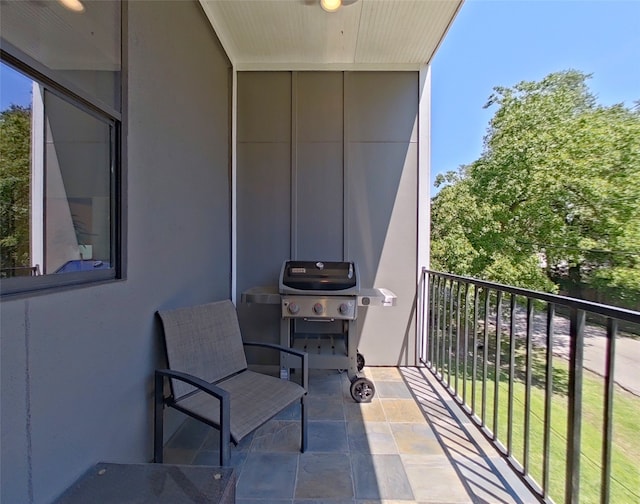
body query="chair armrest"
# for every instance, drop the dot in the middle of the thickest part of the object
(304, 358)
(275, 346)
(199, 383)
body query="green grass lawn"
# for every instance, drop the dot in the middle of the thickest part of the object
(625, 459)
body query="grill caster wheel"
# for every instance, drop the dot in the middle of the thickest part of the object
(360, 361)
(362, 390)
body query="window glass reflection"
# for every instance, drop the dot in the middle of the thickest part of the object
(81, 48)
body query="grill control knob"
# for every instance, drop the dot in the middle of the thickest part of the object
(293, 308)
(318, 309)
(344, 308)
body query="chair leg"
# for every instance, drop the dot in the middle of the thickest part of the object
(225, 454)
(303, 425)
(158, 419)
(225, 431)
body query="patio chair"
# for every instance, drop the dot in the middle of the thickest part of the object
(210, 381)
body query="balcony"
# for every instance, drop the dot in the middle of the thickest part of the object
(524, 397)
(235, 156)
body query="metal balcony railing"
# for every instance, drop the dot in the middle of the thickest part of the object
(514, 361)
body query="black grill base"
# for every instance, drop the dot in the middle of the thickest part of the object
(325, 350)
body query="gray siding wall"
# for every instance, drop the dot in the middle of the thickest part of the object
(328, 170)
(76, 369)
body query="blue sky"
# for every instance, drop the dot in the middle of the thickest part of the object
(15, 88)
(500, 43)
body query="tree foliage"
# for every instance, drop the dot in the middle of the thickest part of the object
(15, 148)
(554, 197)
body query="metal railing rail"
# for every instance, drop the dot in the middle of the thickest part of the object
(462, 319)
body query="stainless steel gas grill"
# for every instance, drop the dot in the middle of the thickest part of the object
(319, 302)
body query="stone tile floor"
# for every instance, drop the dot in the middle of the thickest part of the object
(411, 444)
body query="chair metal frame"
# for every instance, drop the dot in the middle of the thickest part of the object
(223, 397)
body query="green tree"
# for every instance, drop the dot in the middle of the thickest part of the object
(15, 148)
(557, 184)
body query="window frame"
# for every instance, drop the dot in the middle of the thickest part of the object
(36, 71)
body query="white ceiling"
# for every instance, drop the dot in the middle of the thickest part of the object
(299, 35)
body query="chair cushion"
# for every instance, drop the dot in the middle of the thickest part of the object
(255, 398)
(204, 341)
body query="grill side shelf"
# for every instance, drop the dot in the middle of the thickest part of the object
(376, 297)
(267, 294)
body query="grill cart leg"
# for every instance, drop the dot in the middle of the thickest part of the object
(362, 390)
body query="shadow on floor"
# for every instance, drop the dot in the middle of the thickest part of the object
(405, 446)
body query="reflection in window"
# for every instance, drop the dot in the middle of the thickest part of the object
(76, 234)
(60, 117)
(15, 175)
(56, 179)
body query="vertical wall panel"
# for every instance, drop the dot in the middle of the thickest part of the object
(381, 112)
(383, 221)
(264, 107)
(319, 166)
(319, 107)
(263, 193)
(263, 211)
(319, 218)
(381, 106)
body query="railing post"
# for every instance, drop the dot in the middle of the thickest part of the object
(548, 395)
(457, 343)
(474, 363)
(449, 345)
(527, 390)
(421, 310)
(436, 342)
(432, 318)
(574, 417)
(467, 314)
(444, 330)
(496, 372)
(607, 428)
(485, 355)
(512, 367)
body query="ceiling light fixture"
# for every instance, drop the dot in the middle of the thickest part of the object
(73, 5)
(330, 5)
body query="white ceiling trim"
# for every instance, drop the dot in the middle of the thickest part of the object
(221, 32)
(333, 67)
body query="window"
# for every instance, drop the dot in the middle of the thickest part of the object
(60, 120)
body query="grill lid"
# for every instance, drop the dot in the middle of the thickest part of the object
(312, 277)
